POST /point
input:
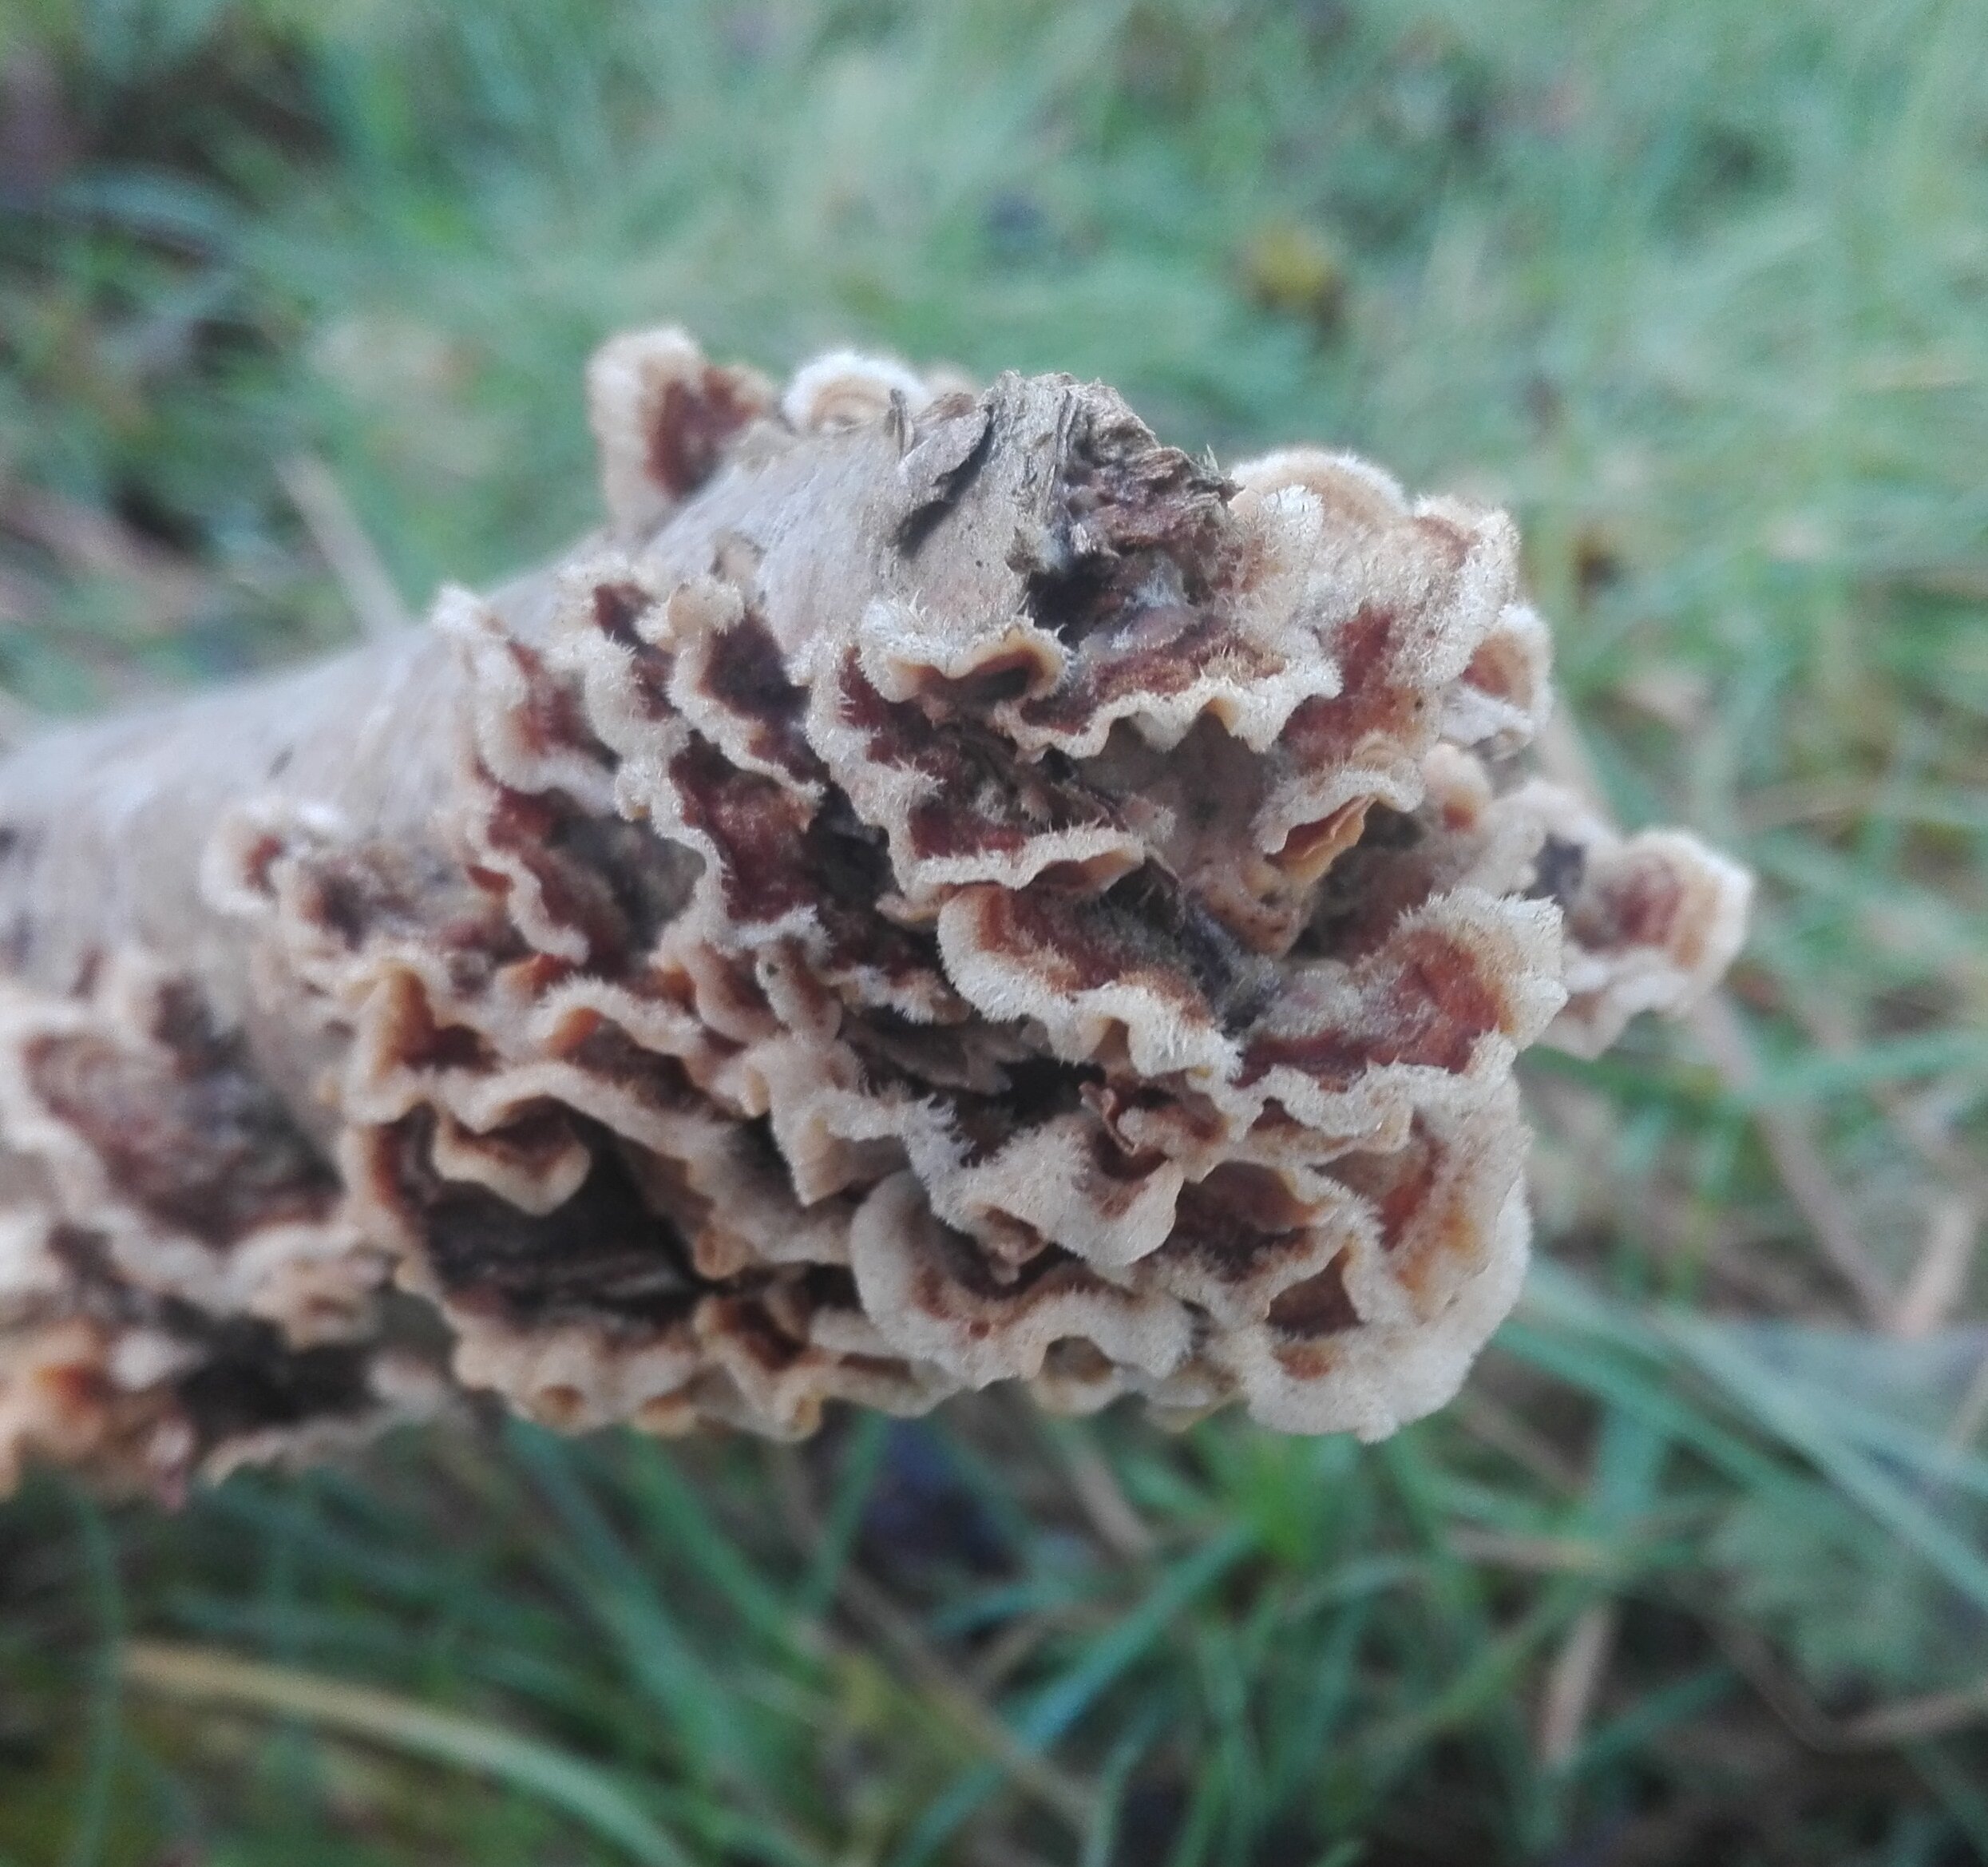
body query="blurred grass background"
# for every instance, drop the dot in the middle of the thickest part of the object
(1698, 1569)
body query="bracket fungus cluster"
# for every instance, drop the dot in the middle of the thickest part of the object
(941, 889)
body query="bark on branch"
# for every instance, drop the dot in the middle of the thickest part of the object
(943, 888)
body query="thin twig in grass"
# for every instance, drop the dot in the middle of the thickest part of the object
(86, 543)
(1958, 1787)
(347, 551)
(1095, 1486)
(1938, 1282)
(22, 600)
(1778, 1284)
(1504, 1431)
(1911, 1721)
(1972, 1412)
(1790, 1144)
(1903, 1721)
(1538, 1555)
(1804, 801)
(1929, 1136)
(1797, 1157)
(945, 1690)
(1009, 1649)
(1939, 1279)
(1068, 1795)
(1573, 1682)
(1869, 1480)
(1058, 1791)
(999, 1851)
(1490, 1675)
(948, 1691)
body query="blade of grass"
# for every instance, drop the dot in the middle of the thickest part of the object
(1856, 1476)
(693, 1534)
(1123, 1758)
(852, 1484)
(1059, 1706)
(105, 1713)
(1054, 1709)
(1651, 1716)
(1959, 1791)
(578, 1789)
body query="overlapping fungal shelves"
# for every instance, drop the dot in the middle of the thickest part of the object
(941, 889)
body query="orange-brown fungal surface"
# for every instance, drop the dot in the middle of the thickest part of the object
(943, 890)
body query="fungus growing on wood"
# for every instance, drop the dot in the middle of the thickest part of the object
(943, 890)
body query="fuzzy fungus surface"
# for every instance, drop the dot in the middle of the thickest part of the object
(941, 889)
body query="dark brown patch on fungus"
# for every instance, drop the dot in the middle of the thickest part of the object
(194, 1137)
(250, 1381)
(602, 1254)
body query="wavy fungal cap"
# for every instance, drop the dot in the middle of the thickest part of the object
(945, 890)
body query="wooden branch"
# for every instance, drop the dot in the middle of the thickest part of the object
(943, 888)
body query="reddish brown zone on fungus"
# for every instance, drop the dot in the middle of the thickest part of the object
(1440, 1003)
(1634, 908)
(1396, 1185)
(1145, 928)
(1499, 667)
(750, 1326)
(415, 1039)
(616, 605)
(1311, 849)
(197, 1138)
(952, 1267)
(614, 883)
(551, 717)
(246, 1379)
(745, 674)
(1319, 1306)
(1168, 919)
(1034, 1092)
(1372, 702)
(1425, 1191)
(1370, 886)
(1432, 1012)
(1236, 1195)
(78, 1388)
(692, 422)
(1149, 652)
(999, 679)
(616, 608)
(852, 872)
(1081, 944)
(982, 799)
(1194, 1119)
(1236, 1224)
(758, 826)
(608, 1055)
(1115, 1176)
(984, 809)
(632, 882)
(375, 890)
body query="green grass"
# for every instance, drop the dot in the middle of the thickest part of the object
(1700, 291)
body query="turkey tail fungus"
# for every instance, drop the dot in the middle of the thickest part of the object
(941, 888)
